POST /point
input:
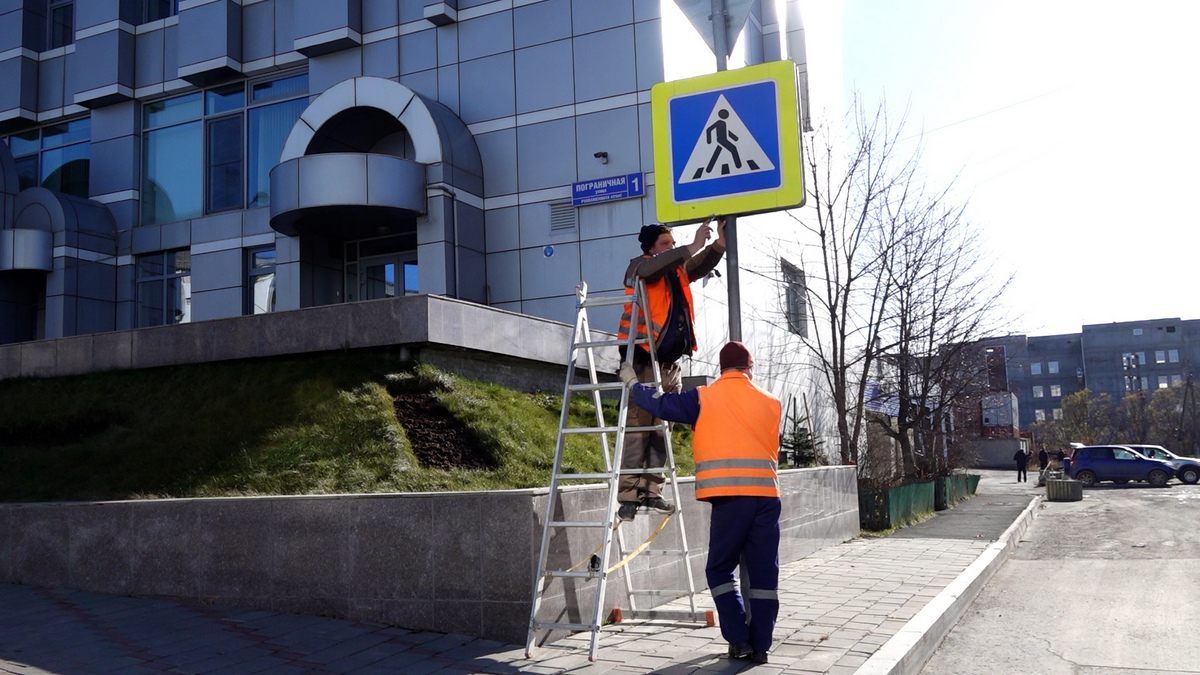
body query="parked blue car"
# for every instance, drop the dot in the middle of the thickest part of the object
(1187, 469)
(1117, 463)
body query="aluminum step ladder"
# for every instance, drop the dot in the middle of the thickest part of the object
(598, 564)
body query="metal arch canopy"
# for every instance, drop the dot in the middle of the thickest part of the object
(699, 12)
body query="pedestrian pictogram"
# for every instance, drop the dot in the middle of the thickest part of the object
(727, 143)
(727, 148)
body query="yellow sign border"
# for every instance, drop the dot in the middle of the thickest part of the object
(789, 194)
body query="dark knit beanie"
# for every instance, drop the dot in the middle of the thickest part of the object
(650, 234)
(735, 355)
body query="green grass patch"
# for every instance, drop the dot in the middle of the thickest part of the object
(290, 426)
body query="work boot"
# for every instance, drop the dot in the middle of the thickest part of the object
(658, 504)
(758, 657)
(627, 511)
(740, 650)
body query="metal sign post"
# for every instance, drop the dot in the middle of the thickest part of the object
(721, 47)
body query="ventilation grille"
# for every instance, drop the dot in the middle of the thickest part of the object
(563, 217)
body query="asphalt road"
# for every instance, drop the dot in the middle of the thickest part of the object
(1099, 587)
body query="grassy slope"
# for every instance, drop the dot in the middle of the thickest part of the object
(304, 426)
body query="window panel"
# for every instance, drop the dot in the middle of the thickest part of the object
(160, 9)
(1038, 391)
(410, 279)
(1056, 390)
(171, 111)
(1035, 368)
(65, 169)
(1176, 380)
(150, 303)
(1052, 367)
(25, 143)
(1039, 415)
(27, 172)
(173, 176)
(795, 300)
(260, 296)
(62, 23)
(225, 99)
(1160, 356)
(164, 288)
(1162, 382)
(1173, 355)
(225, 164)
(66, 133)
(287, 86)
(269, 127)
(1057, 412)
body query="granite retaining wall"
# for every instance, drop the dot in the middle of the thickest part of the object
(451, 562)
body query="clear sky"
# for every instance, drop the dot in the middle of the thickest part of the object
(1068, 127)
(1072, 128)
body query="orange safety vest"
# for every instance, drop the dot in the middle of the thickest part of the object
(735, 442)
(658, 297)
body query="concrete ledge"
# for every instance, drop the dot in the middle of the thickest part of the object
(910, 648)
(449, 562)
(421, 324)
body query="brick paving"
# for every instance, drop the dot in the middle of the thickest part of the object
(838, 607)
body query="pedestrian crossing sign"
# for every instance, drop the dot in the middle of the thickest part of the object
(727, 143)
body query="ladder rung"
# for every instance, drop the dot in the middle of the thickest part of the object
(657, 469)
(609, 430)
(577, 523)
(608, 301)
(564, 626)
(573, 575)
(663, 551)
(656, 614)
(607, 343)
(672, 593)
(599, 386)
(584, 476)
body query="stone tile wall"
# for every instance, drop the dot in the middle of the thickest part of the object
(450, 562)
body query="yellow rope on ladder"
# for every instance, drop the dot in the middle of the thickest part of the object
(629, 557)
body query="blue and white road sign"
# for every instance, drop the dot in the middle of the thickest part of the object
(727, 143)
(608, 189)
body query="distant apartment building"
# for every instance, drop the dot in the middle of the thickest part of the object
(1113, 358)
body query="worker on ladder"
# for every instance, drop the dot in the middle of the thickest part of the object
(736, 448)
(667, 272)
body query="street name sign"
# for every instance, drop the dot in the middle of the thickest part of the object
(608, 189)
(727, 143)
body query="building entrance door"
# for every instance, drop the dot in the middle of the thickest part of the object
(381, 268)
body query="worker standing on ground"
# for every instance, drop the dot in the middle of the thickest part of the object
(735, 444)
(668, 273)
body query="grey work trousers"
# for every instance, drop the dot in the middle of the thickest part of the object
(648, 449)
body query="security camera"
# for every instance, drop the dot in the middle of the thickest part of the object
(602, 156)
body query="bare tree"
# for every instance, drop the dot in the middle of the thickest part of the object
(845, 190)
(941, 297)
(899, 290)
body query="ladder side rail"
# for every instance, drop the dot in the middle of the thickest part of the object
(552, 497)
(594, 379)
(640, 306)
(672, 475)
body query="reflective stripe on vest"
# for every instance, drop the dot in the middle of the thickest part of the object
(658, 297)
(736, 439)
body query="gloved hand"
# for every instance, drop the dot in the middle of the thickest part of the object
(627, 375)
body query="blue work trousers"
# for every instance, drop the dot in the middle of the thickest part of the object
(746, 530)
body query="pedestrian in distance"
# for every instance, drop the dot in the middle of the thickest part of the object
(735, 444)
(668, 273)
(1022, 460)
(1043, 459)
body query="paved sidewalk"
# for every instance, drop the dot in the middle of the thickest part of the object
(868, 606)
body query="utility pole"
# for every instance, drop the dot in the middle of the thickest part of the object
(720, 24)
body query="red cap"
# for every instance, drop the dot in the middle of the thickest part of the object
(735, 355)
